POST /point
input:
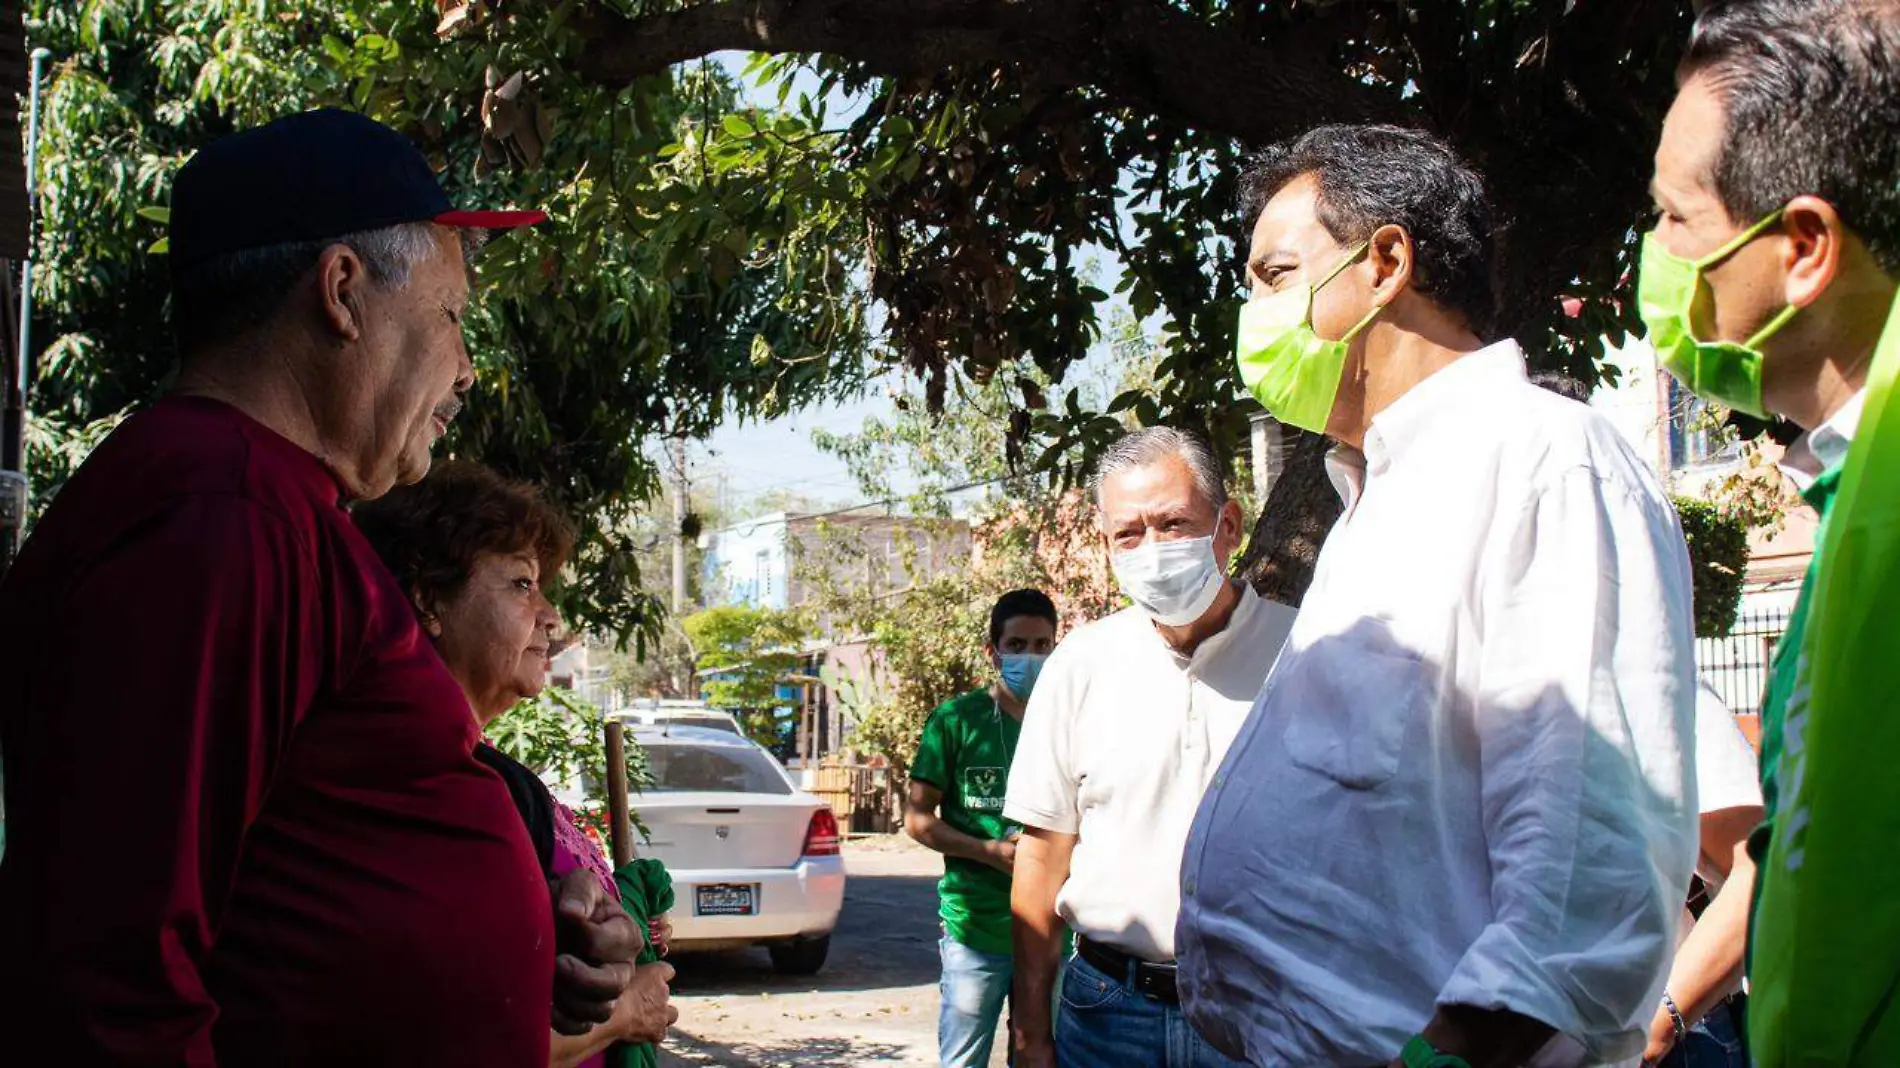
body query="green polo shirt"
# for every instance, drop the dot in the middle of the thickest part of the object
(965, 752)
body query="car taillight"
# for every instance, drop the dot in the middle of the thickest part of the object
(821, 838)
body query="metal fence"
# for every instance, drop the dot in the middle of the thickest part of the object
(1738, 665)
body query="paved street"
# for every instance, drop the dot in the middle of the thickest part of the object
(875, 1002)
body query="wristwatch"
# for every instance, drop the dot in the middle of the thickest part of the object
(1419, 1053)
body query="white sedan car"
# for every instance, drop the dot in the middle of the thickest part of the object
(754, 859)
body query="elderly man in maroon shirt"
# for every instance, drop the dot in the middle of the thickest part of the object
(245, 823)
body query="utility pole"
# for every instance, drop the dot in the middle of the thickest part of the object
(679, 525)
(679, 548)
(13, 484)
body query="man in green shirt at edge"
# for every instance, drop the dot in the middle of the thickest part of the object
(1779, 223)
(955, 807)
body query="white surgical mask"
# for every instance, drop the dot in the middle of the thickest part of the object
(1175, 582)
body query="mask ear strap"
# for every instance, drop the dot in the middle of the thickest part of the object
(1780, 320)
(1358, 251)
(1735, 244)
(1362, 324)
(1351, 258)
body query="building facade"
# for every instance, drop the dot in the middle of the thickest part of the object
(789, 560)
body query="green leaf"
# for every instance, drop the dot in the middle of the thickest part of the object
(160, 247)
(156, 213)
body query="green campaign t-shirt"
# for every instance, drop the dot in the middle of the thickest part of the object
(1824, 950)
(965, 752)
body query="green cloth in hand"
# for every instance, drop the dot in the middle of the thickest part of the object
(646, 892)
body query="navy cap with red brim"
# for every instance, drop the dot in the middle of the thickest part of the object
(490, 220)
(307, 177)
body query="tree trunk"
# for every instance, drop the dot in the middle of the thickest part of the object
(1293, 523)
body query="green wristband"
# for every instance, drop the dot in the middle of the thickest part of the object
(1419, 1053)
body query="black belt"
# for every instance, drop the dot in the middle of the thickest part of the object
(1145, 977)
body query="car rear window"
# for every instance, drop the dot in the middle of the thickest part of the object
(735, 769)
(717, 723)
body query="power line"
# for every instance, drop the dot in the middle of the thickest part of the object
(895, 500)
(771, 480)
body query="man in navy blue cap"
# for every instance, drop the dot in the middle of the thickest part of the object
(260, 835)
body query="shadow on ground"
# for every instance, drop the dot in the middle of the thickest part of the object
(886, 937)
(687, 1050)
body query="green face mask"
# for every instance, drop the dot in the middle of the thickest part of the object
(1721, 371)
(1286, 366)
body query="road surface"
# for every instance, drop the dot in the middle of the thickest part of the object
(875, 1002)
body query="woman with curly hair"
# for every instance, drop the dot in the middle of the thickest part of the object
(476, 553)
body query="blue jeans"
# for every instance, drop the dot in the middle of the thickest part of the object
(974, 986)
(1103, 1022)
(1714, 1042)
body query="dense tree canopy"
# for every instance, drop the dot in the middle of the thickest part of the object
(708, 260)
(1018, 134)
(748, 655)
(642, 310)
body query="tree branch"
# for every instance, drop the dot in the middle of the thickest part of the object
(1139, 53)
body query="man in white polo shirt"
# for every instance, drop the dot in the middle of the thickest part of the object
(1130, 720)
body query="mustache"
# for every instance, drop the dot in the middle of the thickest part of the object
(449, 409)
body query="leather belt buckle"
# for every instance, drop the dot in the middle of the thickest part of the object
(1150, 980)
(1157, 981)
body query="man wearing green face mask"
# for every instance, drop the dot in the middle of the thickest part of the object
(1765, 285)
(1458, 825)
(955, 807)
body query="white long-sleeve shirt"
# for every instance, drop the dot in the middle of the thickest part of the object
(1468, 779)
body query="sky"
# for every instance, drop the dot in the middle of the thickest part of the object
(745, 459)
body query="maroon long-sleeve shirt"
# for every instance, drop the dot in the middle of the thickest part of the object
(245, 825)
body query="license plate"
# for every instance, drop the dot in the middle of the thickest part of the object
(726, 901)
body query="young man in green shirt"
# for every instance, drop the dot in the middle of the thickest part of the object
(957, 783)
(1778, 189)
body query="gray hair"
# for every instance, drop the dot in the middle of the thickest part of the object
(233, 294)
(1153, 444)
